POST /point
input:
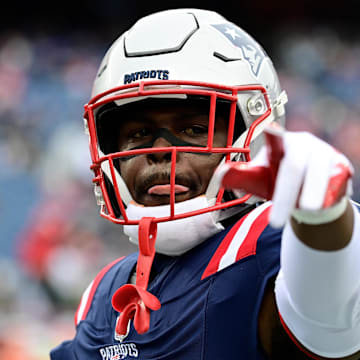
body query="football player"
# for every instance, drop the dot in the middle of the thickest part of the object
(248, 242)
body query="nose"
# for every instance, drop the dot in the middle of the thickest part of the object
(160, 142)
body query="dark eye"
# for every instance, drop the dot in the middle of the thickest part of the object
(195, 130)
(139, 134)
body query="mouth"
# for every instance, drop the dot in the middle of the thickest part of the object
(156, 189)
(165, 189)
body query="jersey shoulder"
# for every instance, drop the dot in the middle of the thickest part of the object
(93, 316)
(249, 236)
(105, 283)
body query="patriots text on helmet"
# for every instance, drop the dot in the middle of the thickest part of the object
(146, 74)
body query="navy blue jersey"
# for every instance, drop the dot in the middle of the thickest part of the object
(210, 300)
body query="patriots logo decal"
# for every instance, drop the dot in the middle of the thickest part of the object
(252, 52)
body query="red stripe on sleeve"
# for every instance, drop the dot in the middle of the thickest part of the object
(296, 342)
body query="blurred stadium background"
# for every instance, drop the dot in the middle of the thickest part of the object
(52, 240)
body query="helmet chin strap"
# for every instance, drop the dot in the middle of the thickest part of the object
(134, 301)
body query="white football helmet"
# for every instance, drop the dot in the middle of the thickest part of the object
(182, 54)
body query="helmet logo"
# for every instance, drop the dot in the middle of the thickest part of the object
(146, 74)
(251, 50)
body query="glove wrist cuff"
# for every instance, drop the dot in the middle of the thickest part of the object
(322, 216)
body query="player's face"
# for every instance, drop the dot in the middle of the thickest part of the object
(148, 176)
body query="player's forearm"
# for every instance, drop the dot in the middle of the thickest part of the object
(329, 236)
(318, 287)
